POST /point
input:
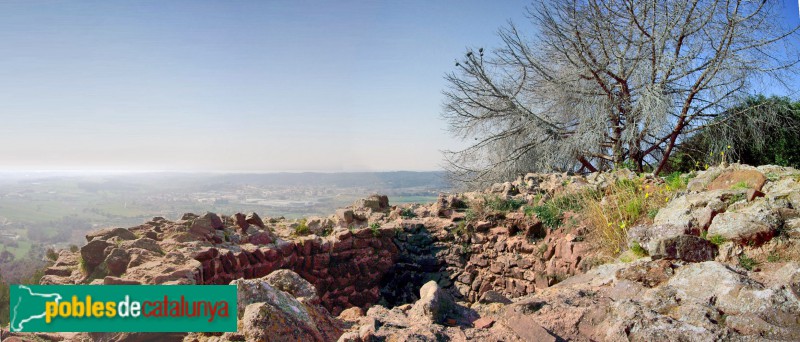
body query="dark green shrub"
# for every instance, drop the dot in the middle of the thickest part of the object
(744, 134)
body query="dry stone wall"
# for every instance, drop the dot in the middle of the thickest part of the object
(346, 267)
(513, 257)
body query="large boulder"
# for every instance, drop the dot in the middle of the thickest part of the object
(117, 261)
(678, 212)
(650, 236)
(254, 219)
(713, 282)
(345, 216)
(93, 253)
(685, 247)
(240, 220)
(752, 178)
(261, 238)
(740, 227)
(288, 320)
(374, 203)
(107, 233)
(269, 314)
(206, 224)
(293, 284)
(434, 304)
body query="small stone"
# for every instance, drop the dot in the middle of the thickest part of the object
(492, 296)
(753, 193)
(483, 323)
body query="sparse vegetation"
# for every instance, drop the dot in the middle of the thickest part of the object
(676, 180)
(302, 228)
(374, 228)
(551, 213)
(542, 249)
(638, 250)
(736, 198)
(504, 205)
(407, 213)
(624, 204)
(747, 263)
(82, 264)
(716, 240)
(774, 256)
(740, 186)
(652, 213)
(462, 230)
(51, 254)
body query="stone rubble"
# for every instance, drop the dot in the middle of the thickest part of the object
(374, 272)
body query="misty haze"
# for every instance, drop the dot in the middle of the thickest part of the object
(361, 171)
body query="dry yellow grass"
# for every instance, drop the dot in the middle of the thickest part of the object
(623, 205)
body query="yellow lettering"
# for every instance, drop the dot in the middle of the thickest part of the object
(77, 307)
(51, 310)
(64, 309)
(97, 309)
(111, 310)
(88, 306)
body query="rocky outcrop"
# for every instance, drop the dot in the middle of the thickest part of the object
(438, 272)
(267, 313)
(93, 253)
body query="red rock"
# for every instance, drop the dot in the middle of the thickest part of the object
(483, 323)
(260, 238)
(109, 280)
(754, 179)
(58, 271)
(752, 194)
(271, 255)
(242, 259)
(527, 328)
(240, 221)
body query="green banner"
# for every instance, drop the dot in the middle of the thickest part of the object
(122, 308)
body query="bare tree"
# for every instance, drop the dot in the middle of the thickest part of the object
(602, 83)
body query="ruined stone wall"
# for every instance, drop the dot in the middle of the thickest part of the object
(390, 264)
(513, 257)
(346, 267)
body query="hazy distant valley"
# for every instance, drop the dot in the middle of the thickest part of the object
(53, 210)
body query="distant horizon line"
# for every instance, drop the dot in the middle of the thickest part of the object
(94, 171)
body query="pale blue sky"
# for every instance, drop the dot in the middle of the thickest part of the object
(233, 85)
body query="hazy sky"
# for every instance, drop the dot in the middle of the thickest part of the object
(233, 85)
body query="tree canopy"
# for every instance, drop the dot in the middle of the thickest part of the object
(601, 83)
(743, 136)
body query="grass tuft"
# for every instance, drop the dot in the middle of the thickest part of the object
(302, 228)
(624, 204)
(504, 205)
(638, 250)
(716, 240)
(740, 186)
(747, 263)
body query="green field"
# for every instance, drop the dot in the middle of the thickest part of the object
(36, 211)
(21, 250)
